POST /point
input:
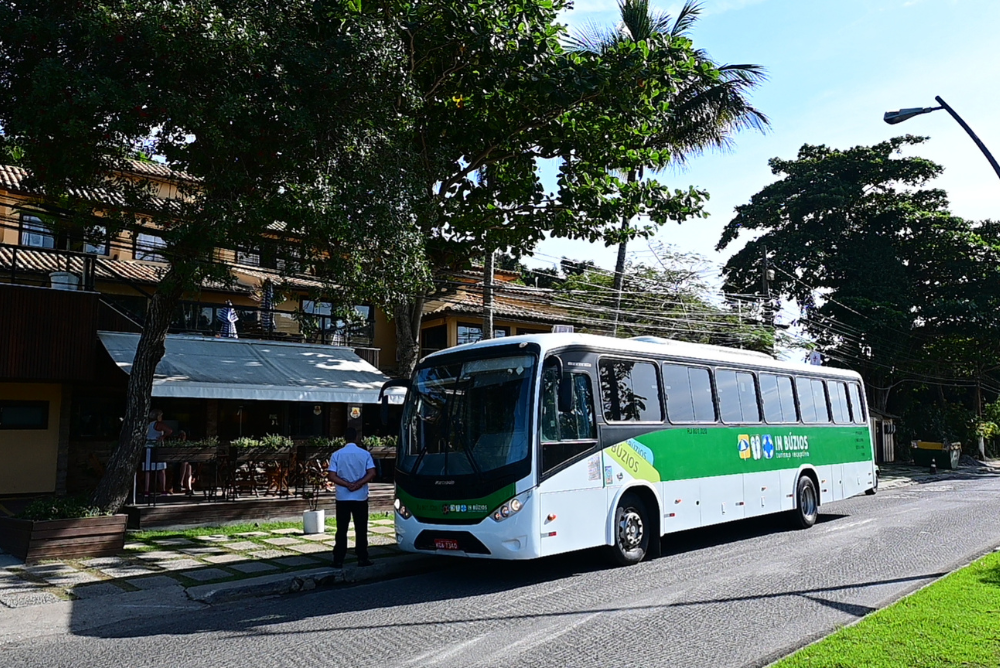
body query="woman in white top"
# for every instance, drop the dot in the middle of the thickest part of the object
(156, 431)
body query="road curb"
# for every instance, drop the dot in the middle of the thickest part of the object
(305, 580)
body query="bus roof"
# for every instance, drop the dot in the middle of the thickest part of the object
(651, 345)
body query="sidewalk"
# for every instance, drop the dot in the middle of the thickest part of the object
(900, 475)
(210, 568)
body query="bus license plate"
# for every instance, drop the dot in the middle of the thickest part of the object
(445, 544)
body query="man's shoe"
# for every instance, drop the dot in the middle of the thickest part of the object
(366, 562)
(338, 566)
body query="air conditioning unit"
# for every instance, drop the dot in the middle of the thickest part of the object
(562, 329)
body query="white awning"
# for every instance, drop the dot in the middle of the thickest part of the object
(209, 368)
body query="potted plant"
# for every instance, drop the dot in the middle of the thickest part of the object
(314, 519)
(55, 528)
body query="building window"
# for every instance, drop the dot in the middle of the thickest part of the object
(36, 234)
(24, 415)
(433, 339)
(249, 258)
(148, 247)
(95, 241)
(469, 333)
(630, 391)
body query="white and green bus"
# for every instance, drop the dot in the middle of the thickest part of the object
(529, 446)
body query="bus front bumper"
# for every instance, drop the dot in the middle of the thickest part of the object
(512, 538)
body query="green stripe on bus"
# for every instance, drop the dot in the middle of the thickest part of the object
(701, 452)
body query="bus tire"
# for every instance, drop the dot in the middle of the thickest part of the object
(806, 503)
(631, 531)
(871, 492)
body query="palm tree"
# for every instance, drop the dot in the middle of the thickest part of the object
(706, 110)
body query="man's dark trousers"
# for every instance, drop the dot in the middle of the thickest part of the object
(345, 511)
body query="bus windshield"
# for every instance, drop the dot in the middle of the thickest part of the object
(468, 418)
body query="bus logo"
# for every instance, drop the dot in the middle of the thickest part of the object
(744, 441)
(768, 446)
(755, 446)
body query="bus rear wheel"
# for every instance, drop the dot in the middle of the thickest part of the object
(631, 531)
(806, 503)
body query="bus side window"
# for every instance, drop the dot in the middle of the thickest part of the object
(838, 402)
(737, 396)
(779, 398)
(857, 406)
(630, 391)
(812, 400)
(689, 393)
(566, 434)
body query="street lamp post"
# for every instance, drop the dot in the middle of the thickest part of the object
(893, 117)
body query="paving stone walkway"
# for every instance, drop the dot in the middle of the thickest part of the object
(180, 561)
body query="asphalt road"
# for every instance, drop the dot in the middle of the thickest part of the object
(739, 595)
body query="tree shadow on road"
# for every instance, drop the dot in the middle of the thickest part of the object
(458, 578)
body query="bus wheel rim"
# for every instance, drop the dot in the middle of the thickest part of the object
(808, 502)
(630, 529)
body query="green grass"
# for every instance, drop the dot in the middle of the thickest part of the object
(952, 623)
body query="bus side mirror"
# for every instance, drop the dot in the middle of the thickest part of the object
(383, 398)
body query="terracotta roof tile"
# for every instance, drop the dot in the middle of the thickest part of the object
(13, 179)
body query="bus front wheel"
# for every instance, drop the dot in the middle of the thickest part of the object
(806, 503)
(631, 531)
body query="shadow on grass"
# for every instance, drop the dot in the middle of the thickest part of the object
(991, 575)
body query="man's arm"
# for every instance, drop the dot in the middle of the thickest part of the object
(367, 478)
(337, 480)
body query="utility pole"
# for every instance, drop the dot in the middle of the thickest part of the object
(766, 276)
(488, 292)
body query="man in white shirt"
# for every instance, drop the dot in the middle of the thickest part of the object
(351, 469)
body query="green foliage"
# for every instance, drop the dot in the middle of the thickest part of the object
(276, 442)
(282, 111)
(59, 508)
(208, 443)
(245, 442)
(369, 442)
(670, 299)
(889, 282)
(323, 443)
(988, 430)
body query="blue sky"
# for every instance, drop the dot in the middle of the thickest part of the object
(834, 67)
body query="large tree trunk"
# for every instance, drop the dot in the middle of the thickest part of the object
(115, 485)
(407, 317)
(488, 294)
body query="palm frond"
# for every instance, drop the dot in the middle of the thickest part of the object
(591, 38)
(636, 19)
(687, 17)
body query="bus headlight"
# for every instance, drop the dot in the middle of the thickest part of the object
(402, 510)
(511, 507)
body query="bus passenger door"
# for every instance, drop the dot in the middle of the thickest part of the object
(572, 499)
